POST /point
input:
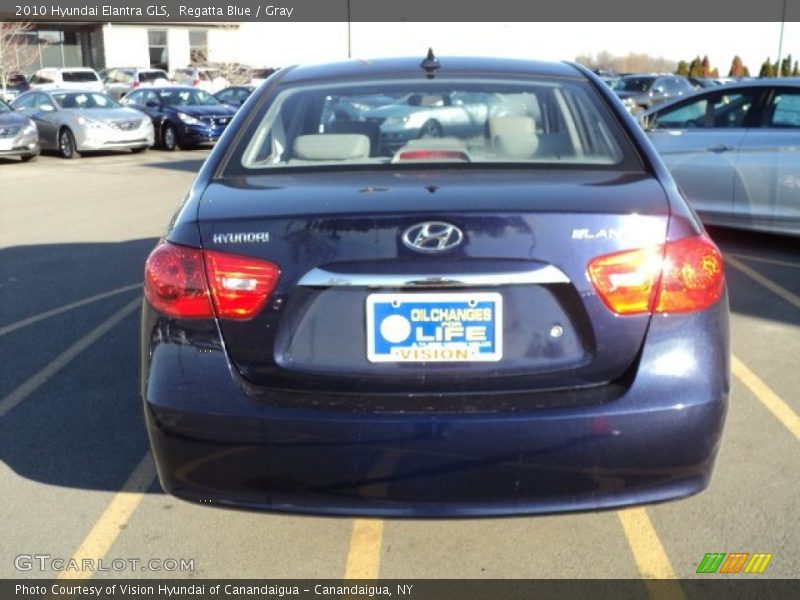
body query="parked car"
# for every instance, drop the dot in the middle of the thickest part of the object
(260, 75)
(207, 79)
(432, 115)
(18, 135)
(182, 116)
(703, 82)
(77, 78)
(640, 92)
(72, 121)
(15, 84)
(235, 95)
(530, 319)
(121, 81)
(735, 152)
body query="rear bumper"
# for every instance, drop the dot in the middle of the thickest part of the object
(657, 441)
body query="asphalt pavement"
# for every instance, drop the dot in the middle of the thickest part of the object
(77, 479)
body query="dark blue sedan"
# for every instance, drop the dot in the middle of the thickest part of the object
(521, 316)
(182, 116)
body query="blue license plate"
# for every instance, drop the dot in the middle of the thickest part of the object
(435, 327)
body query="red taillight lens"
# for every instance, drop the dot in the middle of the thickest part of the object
(682, 276)
(693, 276)
(175, 282)
(192, 284)
(196, 82)
(135, 84)
(240, 286)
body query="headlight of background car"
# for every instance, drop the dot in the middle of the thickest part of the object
(188, 119)
(90, 123)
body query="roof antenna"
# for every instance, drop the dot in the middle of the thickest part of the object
(430, 64)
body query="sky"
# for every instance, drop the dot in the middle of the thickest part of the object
(754, 42)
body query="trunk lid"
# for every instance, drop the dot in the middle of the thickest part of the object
(337, 238)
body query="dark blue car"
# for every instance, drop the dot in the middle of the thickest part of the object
(520, 316)
(182, 116)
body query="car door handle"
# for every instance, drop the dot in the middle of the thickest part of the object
(720, 148)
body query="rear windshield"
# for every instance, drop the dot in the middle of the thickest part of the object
(78, 76)
(150, 76)
(84, 100)
(472, 121)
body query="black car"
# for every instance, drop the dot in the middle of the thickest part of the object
(235, 95)
(182, 116)
(519, 316)
(14, 85)
(640, 92)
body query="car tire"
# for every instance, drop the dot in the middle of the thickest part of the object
(431, 129)
(29, 157)
(66, 144)
(169, 138)
(139, 150)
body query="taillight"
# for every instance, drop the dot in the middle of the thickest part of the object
(192, 284)
(195, 82)
(240, 286)
(135, 84)
(676, 277)
(175, 282)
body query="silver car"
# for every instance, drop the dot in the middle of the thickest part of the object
(18, 136)
(735, 152)
(78, 121)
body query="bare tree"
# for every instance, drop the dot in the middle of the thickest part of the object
(17, 52)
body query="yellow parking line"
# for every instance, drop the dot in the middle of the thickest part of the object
(116, 515)
(364, 554)
(67, 307)
(63, 359)
(648, 552)
(767, 283)
(782, 411)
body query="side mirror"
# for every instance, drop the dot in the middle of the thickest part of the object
(152, 104)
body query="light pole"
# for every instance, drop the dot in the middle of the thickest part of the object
(780, 41)
(350, 49)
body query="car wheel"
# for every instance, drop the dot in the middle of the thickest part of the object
(139, 150)
(66, 144)
(169, 138)
(28, 157)
(430, 129)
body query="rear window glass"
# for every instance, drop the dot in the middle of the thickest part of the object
(534, 122)
(79, 76)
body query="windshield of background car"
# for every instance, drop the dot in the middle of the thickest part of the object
(84, 100)
(150, 76)
(557, 121)
(79, 76)
(635, 84)
(186, 97)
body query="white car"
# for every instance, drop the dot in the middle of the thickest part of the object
(208, 80)
(77, 78)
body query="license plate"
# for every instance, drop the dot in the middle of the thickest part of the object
(435, 327)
